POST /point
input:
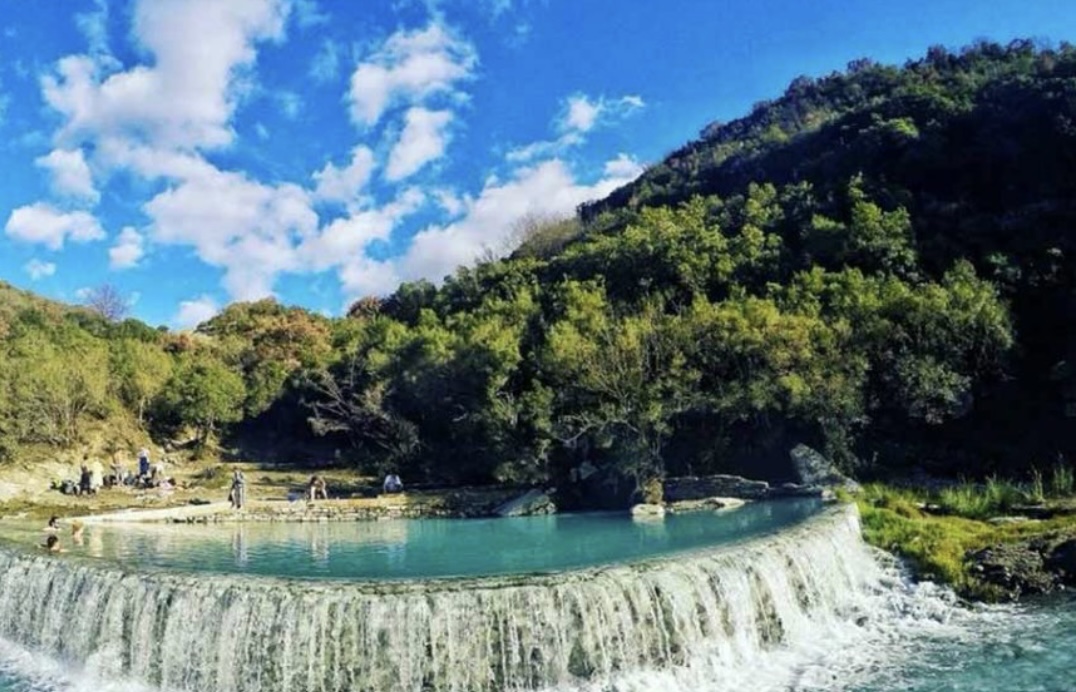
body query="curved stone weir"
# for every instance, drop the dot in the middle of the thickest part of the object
(240, 633)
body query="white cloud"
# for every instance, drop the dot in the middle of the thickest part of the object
(38, 269)
(43, 224)
(71, 176)
(128, 249)
(325, 67)
(411, 66)
(544, 149)
(187, 97)
(423, 140)
(246, 227)
(623, 166)
(582, 114)
(193, 312)
(547, 189)
(344, 184)
(579, 115)
(344, 241)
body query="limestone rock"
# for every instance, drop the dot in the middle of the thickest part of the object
(814, 469)
(710, 504)
(648, 511)
(702, 487)
(529, 503)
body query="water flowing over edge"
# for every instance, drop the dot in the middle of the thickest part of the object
(701, 621)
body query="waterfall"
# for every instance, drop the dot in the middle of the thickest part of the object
(582, 629)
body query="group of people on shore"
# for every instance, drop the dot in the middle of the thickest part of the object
(91, 476)
(317, 488)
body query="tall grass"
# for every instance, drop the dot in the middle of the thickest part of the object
(979, 501)
(1062, 480)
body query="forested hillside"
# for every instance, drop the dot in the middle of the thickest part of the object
(880, 263)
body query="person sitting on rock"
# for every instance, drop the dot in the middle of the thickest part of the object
(393, 484)
(317, 487)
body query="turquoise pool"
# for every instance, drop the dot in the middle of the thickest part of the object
(417, 549)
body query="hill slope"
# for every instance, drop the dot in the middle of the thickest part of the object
(879, 263)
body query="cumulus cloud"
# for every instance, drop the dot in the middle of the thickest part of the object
(246, 227)
(423, 140)
(193, 312)
(344, 184)
(548, 189)
(186, 98)
(71, 176)
(411, 66)
(127, 251)
(624, 167)
(43, 224)
(344, 240)
(38, 269)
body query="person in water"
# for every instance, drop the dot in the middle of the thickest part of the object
(76, 531)
(54, 523)
(238, 494)
(52, 544)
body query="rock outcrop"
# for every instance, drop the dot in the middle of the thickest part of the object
(1035, 566)
(694, 488)
(529, 503)
(813, 469)
(711, 504)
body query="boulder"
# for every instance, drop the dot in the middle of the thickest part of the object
(814, 469)
(649, 511)
(703, 487)
(710, 504)
(529, 503)
(1062, 560)
(1016, 569)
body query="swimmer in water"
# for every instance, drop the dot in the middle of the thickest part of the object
(52, 544)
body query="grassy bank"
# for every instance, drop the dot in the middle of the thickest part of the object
(936, 530)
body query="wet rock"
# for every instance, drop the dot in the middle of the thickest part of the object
(1017, 569)
(529, 503)
(710, 504)
(648, 511)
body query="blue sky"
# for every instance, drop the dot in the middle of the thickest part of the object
(197, 152)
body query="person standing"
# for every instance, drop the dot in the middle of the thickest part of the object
(238, 495)
(143, 463)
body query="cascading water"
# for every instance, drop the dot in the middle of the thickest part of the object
(702, 614)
